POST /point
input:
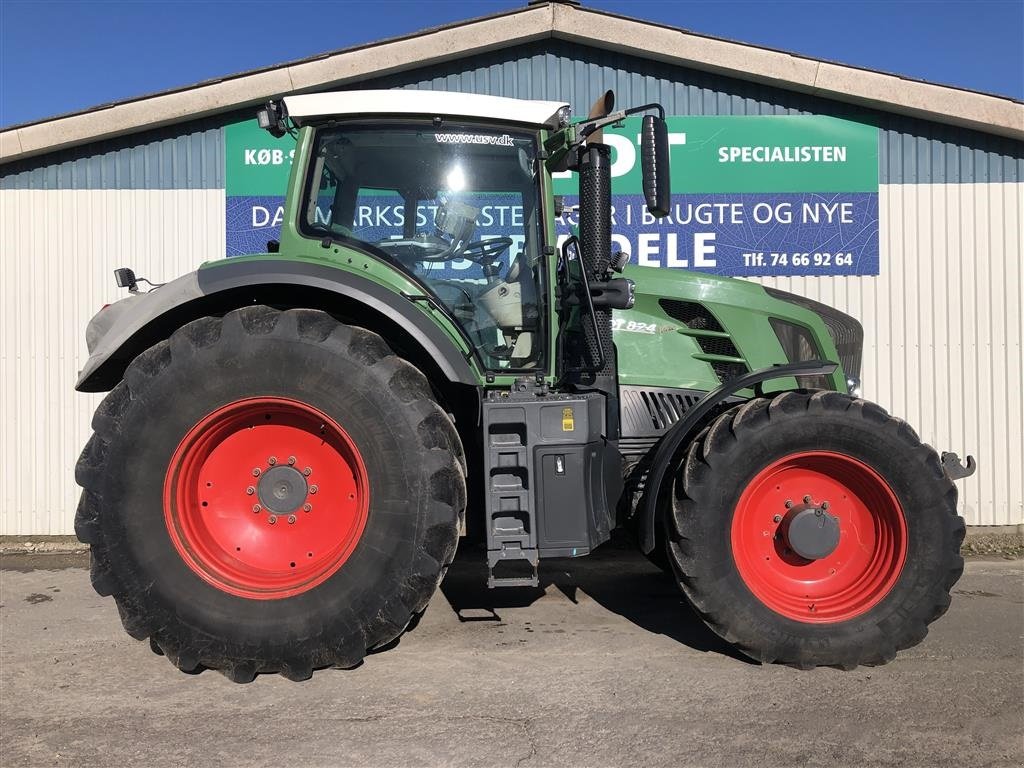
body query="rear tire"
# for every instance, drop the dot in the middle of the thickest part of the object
(210, 585)
(897, 553)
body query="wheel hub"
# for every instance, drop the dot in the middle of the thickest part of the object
(810, 531)
(282, 490)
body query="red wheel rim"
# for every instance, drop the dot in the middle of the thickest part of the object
(865, 563)
(266, 498)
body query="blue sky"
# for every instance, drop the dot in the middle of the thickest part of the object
(58, 56)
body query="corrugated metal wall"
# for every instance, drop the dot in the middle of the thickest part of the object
(943, 320)
(56, 270)
(188, 157)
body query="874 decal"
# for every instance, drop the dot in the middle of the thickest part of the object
(633, 326)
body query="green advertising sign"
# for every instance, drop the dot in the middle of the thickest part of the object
(784, 153)
(256, 164)
(797, 153)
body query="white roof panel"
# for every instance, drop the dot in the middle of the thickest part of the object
(430, 103)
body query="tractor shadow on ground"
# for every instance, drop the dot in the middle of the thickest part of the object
(616, 576)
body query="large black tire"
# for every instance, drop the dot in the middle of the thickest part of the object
(731, 454)
(413, 462)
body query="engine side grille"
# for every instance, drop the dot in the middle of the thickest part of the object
(728, 371)
(650, 411)
(690, 314)
(666, 408)
(849, 341)
(716, 345)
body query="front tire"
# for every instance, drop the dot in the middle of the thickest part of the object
(814, 529)
(270, 492)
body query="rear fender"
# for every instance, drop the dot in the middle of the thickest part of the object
(125, 329)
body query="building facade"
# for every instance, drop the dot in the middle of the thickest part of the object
(151, 184)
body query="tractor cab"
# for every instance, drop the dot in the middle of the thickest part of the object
(454, 190)
(447, 188)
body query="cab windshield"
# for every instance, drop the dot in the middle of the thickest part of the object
(457, 207)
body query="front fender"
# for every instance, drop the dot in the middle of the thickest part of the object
(123, 330)
(668, 448)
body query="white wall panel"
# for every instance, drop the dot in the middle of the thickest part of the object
(57, 254)
(943, 326)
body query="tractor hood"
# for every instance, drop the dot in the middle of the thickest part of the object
(694, 331)
(678, 283)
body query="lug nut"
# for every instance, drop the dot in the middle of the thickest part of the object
(272, 460)
(250, 491)
(313, 489)
(807, 499)
(777, 519)
(255, 471)
(789, 503)
(824, 505)
(291, 460)
(307, 507)
(257, 508)
(307, 471)
(272, 519)
(291, 519)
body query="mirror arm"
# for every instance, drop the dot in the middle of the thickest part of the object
(660, 109)
(584, 129)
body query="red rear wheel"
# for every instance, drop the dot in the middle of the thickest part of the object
(819, 489)
(270, 492)
(266, 498)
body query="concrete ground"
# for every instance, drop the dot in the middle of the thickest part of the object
(603, 667)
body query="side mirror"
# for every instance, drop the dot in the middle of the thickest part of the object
(654, 162)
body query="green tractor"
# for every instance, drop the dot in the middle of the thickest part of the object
(280, 473)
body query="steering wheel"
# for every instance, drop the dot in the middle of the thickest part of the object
(485, 252)
(423, 247)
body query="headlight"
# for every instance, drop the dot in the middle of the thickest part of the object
(798, 345)
(846, 332)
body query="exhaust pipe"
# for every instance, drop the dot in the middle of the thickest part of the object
(602, 107)
(596, 194)
(596, 243)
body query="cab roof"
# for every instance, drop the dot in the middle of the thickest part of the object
(542, 114)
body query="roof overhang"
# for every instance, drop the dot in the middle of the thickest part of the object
(442, 103)
(868, 88)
